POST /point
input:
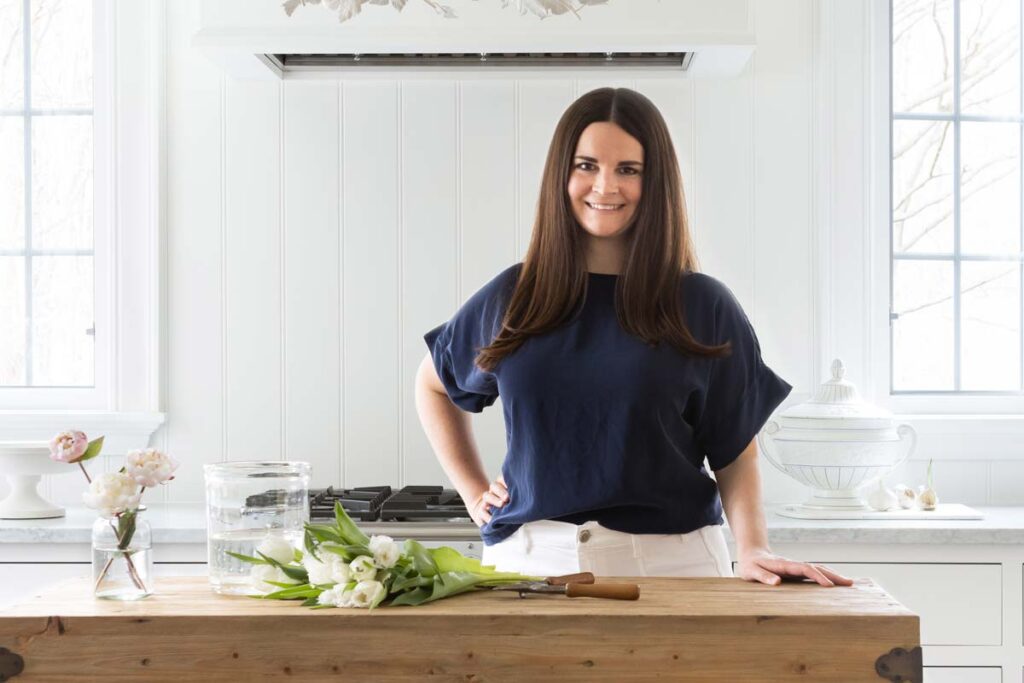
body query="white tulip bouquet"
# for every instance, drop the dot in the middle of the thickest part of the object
(340, 566)
(115, 495)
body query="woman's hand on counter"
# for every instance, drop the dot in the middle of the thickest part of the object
(769, 568)
(495, 496)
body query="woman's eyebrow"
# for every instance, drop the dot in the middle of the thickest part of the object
(621, 163)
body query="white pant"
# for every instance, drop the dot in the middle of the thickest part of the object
(549, 548)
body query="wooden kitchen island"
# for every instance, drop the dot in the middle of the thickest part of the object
(681, 629)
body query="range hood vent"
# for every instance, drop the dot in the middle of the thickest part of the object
(295, 63)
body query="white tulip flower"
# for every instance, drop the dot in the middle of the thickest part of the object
(261, 573)
(277, 548)
(366, 592)
(336, 597)
(341, 573)
(363, 568)
(319, 572)
(385, 551)
(331, 569)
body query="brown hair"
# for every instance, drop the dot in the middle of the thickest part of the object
(553, 279)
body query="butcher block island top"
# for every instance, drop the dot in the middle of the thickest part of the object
(681, 629)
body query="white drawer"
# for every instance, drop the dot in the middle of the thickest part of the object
(959, 604)
(962, 674)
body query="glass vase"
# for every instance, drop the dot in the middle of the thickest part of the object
(122, 557)
(246, 504)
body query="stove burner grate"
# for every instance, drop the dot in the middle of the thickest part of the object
(381, 503)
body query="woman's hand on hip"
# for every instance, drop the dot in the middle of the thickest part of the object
(494, 497)
(771, 569)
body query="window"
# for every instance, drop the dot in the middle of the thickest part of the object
(53, 193)
(956, 231)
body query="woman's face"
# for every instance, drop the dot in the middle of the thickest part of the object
(605, 183)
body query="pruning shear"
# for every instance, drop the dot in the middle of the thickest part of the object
(573, 586)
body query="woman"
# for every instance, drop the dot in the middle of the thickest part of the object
(620, 369)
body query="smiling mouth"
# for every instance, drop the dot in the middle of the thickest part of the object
(604, 207)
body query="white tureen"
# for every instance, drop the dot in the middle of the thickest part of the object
(835, 443)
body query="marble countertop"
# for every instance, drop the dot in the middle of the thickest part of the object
(186, 523)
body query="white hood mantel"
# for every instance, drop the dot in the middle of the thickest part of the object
(676, 38)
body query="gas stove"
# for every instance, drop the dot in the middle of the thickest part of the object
(434, 504)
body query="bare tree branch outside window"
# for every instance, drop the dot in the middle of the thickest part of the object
(956, 168)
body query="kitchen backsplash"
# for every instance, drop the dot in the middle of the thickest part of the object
(316, 230)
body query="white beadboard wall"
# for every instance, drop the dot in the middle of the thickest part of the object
(316, 231)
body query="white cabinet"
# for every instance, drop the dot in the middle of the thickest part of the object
(959, 604)
(963, 674)
(968, 595)
(19, 579)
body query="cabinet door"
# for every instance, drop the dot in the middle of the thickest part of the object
(961, 674)
(21, 579)
(959, 604)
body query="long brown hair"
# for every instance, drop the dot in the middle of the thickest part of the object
(553, 279)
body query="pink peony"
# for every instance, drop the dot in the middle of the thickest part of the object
(149, 467)
(68, 446)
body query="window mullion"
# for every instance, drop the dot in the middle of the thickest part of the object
(26, 27)
(957, 340)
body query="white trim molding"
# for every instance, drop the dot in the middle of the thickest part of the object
(967, 437)
(852, 157)
(129, 218)
(122, 431)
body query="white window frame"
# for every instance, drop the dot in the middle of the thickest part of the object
(939, 402)
(128, 111)
(96, 396)
(853, 157)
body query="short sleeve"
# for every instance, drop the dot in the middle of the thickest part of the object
(454, 346)
(742, 391)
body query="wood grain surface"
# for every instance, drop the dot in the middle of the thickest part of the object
(685, 629)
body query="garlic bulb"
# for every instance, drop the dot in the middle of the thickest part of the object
(906, 495)
(882, 499)
(927, 499)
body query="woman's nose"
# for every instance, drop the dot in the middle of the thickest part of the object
(606, 185)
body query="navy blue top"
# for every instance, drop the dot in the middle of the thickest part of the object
(601, 426)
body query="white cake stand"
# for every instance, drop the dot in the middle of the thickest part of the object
(24, 463)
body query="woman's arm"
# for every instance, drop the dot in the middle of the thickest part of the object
(450, 434)
(739, 483)
(740, 486)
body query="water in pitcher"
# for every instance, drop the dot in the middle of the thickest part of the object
(231, 575)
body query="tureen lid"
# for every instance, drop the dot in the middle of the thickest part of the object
(838, 399)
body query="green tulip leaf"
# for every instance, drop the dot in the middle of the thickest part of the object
(422, 559)
(246, 558)
(324, 533)
(298, 573)
(352, 534)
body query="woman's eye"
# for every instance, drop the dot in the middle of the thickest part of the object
(585, 166)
